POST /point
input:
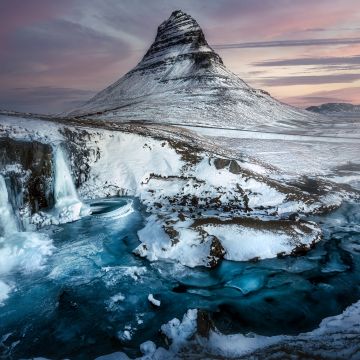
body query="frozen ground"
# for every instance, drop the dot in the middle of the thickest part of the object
(333, 156)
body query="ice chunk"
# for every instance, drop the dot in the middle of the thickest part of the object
(247, 283)
(153, 300)
(181, 331)
(148, 348)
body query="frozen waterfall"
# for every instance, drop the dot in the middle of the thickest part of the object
(8, 223)
(68, 206)
(19, 251)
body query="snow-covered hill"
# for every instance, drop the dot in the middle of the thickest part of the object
(182, 80)
(335, 108)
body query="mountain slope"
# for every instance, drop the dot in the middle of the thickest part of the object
(182, 80)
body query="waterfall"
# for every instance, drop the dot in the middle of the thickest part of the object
(19, 251)
(68, 206)
(64, 192)
(8, 223)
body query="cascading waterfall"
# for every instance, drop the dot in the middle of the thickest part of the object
(20, 251)
(68, 206)
(8, 223)
(64, 191)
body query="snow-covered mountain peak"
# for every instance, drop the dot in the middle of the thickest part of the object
(179, 31)
(179, 41)
(182, 80)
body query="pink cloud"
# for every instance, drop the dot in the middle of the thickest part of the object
(277, 19)
(349, 95)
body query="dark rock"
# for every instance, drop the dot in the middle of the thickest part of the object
(181, 217)
(300, 250)
(194, 201)
(204, 324)
(234, 167)
(294, 217)
(173, 234)
(221, 163)
(35, 157)
(217, 252)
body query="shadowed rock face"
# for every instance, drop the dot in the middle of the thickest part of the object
(31, 176)
(179, 33)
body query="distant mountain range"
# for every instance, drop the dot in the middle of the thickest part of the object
(181, 80)
(333, 108)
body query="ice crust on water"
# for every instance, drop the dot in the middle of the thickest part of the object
(248, 283)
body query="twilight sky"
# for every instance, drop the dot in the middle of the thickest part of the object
(55, 54)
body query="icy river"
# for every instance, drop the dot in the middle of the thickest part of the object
(76, 290)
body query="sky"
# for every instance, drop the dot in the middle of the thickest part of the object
(56, 54)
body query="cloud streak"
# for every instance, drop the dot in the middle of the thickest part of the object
(289, 43)
(311, 79)
(350, 60)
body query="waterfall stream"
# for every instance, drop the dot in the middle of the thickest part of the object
(64, 191)
(68, 206)
(8, 223)
(20, 252)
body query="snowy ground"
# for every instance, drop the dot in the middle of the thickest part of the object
(193, 194)
(179, 184)
(333, 156)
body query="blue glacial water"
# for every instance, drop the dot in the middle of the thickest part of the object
(90, 297)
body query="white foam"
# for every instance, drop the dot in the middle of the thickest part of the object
(4, 291)
(24, 252)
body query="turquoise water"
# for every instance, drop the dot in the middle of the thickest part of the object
(90, 298)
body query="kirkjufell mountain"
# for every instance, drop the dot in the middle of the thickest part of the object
(182, 80)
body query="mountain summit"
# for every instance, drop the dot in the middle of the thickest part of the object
(181, 80)
(180, 38)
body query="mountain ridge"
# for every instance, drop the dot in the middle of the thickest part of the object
(335, 107)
